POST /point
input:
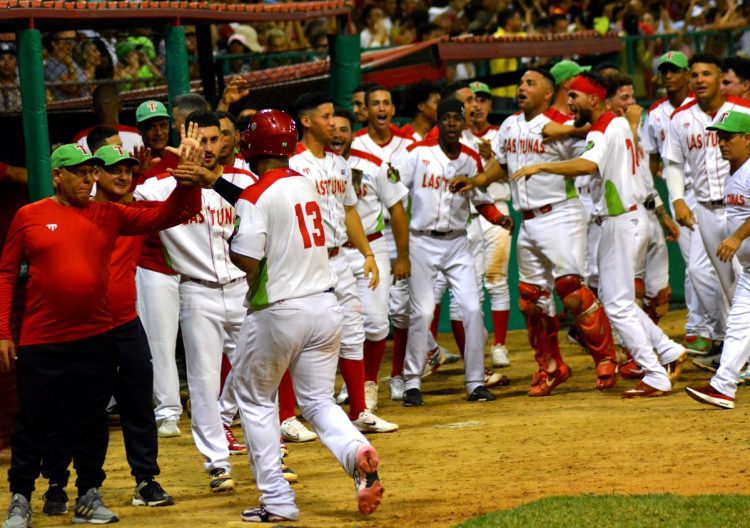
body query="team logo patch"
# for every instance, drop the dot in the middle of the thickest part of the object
(393, 175)
(588, 146)
(357, 180)
(51, 227)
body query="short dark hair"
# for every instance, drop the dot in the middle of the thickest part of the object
(226, 115)
(340, 111)
(606, 65)
(617, 82)
(310, 101)
(449, 91)
(190, 102)
(705, 58)
(203, 119)
(364, 87)
(739, 65)
(544, 73)
(97, 137)
(418, 93)
(505, 15)
(372, 89)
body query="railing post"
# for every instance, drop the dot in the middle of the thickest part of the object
(178, 75)
(346, 66)
(34, 101)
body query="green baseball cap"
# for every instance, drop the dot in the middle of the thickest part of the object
(149, 110)
(113, 154)
(675, 58)
(479, 87)
(71, 155)
(732, 122)
(566, 69)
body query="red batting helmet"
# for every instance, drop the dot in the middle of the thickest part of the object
(269, 133)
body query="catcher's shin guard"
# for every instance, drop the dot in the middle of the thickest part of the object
(656, 307)
(542, 328)
(592, 326)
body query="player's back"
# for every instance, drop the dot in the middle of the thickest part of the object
(281, 212)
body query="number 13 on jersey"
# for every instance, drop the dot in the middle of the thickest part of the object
(310, 213)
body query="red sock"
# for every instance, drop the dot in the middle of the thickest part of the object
(287, 399)
(435, 321)
(399, 351)
(374, 351)
(500, 322)
(459, 335)
(353, 372)
(226, 366)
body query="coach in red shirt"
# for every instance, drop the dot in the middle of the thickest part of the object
(66, 360)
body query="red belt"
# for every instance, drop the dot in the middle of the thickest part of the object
(370, 238)
(599, 219)
(528, 215)
(332, 252)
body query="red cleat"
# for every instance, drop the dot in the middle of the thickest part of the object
(366, 480)
(235, 446)
(543, 382)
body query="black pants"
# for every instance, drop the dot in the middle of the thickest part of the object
(63, 383)
(134, 395)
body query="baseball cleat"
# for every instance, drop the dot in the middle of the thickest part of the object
(674, 369)
(235, 446)
(744, 378)
(91, 509)
(221, 480)
(543, 382)
(413, 398)
(366, 480)
(262, 515)
(630, 370)
(168, 428)
(150, 493)
(642, 390)
(481, 394)
(493, 379)
(343, 396)
(500, 357)
(709, 363)
(697, 345)
(55, 500)
(396, 385)
(368, 422)
(289, 474)
(292, 430)
(371, 395)
(606, 374)
(707, 394)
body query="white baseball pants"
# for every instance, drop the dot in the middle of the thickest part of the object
(302, 335)
(228, 400)
(374, 302)
(211, 318)
(737, 340)
(158, 305)
(353, 335)
(622, 246)
(655, 271)
(452, 256)
(399, 306)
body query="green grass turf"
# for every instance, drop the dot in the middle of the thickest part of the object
(636, 511)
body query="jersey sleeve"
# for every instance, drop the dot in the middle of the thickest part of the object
(596, 148)
(498, 146)
(406, 166)
(648, 135)
(183, 203)
(10, 265)
(154, 188)
(672, 145)
(250, 231)
(388, 192)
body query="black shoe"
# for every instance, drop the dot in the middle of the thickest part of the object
(150, 493)
(413, 398)
(481, 393)
(55, 500)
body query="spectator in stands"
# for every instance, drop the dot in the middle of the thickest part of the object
(67, 78)
(429, 31)
(10, 95)
(509, 24)
(277, 41)
(135, 63)
(375, 32)
(239, 44)
(89, 58)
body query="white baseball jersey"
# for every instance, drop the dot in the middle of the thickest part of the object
(333, 181)
(611, 146)
(375, 191)
(688, 142)
(518, 144)
(654, 134)
(279, 223)
(737, 202)
(240, 163)
(409, 131)
(426, 170)
(130, 137)
(388, 152)
(644, 168)
(198, 248)
(500, 191)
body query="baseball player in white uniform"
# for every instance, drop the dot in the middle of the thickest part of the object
(675, 77)
(689, 143)
(611, 155)
(333, 180)
(551, 243)
(733, 133)
(294, 321)
(438, 243)
(378, 197)
(212, 291)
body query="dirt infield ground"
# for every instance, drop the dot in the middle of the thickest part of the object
(454, 460)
